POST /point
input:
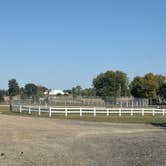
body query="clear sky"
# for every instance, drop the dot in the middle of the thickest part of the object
(64, 43)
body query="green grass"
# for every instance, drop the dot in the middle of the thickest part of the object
(125, 118)
(4, 108)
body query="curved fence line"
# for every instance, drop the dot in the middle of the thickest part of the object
(87, 110)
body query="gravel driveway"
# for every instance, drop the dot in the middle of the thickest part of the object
(27, 141)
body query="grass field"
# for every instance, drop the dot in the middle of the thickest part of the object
(125, 118)
(4, 108)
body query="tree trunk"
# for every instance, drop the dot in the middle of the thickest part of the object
(11, 108)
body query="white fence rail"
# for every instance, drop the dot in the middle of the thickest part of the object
(85, 110)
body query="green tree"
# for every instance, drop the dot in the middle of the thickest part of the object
(137, 87)
(40, 90)
(150, 86)
(13, 88)
(30, 90)
(76, 91)
(111, 84)
(1, 96)
(88, 92)
(160, 80)
(145, 87)
(162, 91)
(22, 93)
(4, 92)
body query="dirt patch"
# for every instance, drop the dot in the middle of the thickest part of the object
(31, 141)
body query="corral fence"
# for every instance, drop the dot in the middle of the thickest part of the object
(84, 102)
(94, 111)
(127, 102)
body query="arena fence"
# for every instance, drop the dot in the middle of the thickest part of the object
(94, 111)
(84, 102)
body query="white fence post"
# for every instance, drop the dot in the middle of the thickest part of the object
(153, 112)
(131, 112)
(143, 113)
(50, 112)
(20, 108)
(80, 111)
(107, 112)
(66, 112)
(94, 112)
(39, 111)
(120, 112)
(163, 112)
(29, 110)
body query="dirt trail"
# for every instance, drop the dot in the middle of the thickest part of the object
(31, 141)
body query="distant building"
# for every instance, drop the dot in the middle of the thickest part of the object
(54, 92)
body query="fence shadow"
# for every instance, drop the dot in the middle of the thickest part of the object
(162, 125)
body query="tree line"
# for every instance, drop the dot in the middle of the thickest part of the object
(115, 84)
(105, 85)
(30, 90)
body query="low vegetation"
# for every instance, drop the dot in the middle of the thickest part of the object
(4, 108)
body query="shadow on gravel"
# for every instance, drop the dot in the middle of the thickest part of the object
(162, 125)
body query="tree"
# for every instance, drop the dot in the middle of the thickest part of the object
(145, 87)
(1, 96)
(41, 90)
(5, 92)
(160, 80)
(111, 84)
(76, 91)
(13, 88)
(31, 90)
(22, 93)
(88, 92)
(137, 87)
(162, 91)
(150, 86)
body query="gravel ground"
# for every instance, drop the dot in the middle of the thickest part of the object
(27, 141)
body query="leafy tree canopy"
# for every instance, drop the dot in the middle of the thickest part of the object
(30, 90)
(1, 96)
(111, 84)
(147, 86)
(162, 91)
(13, 87)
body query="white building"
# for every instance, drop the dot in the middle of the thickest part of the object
(54, 92)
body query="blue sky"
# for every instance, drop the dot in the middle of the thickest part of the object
(64, 43)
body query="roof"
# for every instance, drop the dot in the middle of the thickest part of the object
(56, 92)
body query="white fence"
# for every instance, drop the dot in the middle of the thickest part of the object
(85, 110)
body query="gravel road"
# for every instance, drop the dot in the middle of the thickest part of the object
(27, 141)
